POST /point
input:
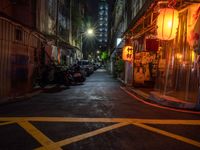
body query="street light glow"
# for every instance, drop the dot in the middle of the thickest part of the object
(90, 31)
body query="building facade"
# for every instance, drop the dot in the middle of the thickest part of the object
(77, 26)
(33, 34)
(117, 23)
(102, 33)
(19, 42)
(166, 67)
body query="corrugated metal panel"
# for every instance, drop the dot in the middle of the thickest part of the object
(1, 54)
(5, 45)
(1, 29)
(10, 51)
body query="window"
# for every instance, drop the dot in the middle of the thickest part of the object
(18, 34)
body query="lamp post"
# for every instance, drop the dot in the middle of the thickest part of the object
(88, 33)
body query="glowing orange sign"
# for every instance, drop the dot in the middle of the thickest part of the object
(127, 53)
(167, 23)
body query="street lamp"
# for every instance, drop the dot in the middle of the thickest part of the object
(88, 33)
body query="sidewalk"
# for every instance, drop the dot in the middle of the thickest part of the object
(155, 97)
(36, 90)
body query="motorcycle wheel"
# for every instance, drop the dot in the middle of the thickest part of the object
(82, 79)
(42, 84)
(67, 82)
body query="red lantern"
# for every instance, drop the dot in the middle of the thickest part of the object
(127, 54)
(167, 24)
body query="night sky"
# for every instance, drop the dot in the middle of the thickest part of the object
(93, 8)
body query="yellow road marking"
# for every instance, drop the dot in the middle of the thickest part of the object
(48, 144)
(112, 120)
(6, 123)
(168, 134)
(88, 134)
(170, 121)
(39, 136)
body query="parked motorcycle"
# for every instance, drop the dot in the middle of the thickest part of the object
(51, 74)
(77, 73)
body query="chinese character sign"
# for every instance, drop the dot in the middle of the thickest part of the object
(127, 53)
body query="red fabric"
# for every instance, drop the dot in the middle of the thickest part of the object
(151, 44)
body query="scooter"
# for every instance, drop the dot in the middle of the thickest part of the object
(78, 74)
(53, 75)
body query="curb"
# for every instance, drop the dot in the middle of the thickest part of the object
(34, 92)
(146, 99)
(172, 102)
(20, 98)
(122, 81)
(28, 95)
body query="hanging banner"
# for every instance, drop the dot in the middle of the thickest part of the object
(54, 54)
(152, 45)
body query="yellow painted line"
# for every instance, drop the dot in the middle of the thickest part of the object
(39, 136)
(168, 134)
(88, 134)
(6, 123)
(61, 119)
(169, 121)
(112, 120)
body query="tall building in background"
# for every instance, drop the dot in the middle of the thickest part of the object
(102, 33)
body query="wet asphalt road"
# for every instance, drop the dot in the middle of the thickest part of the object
(99, 97)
